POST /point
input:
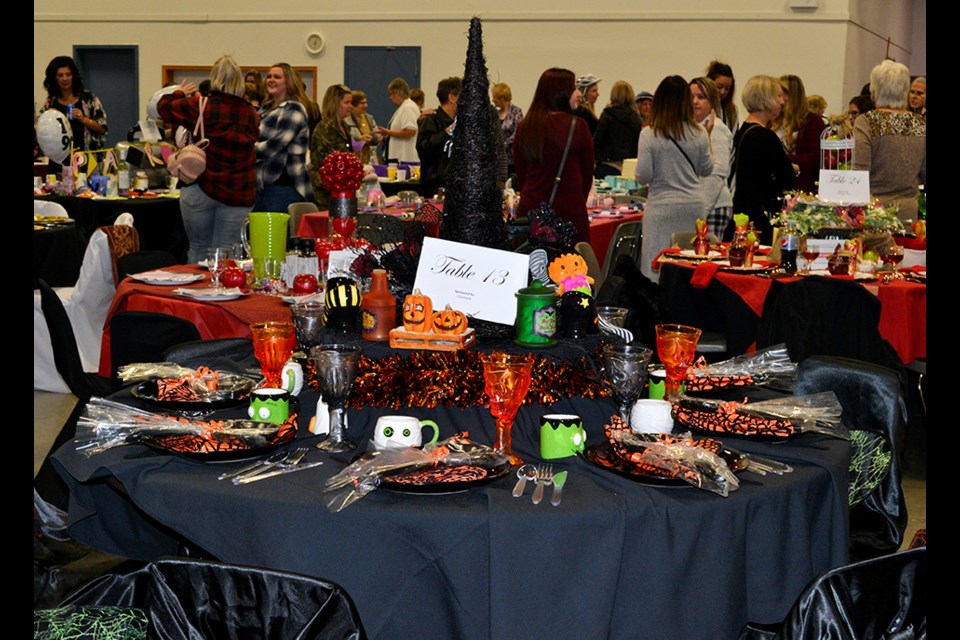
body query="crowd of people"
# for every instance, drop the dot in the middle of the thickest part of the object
(268, 139)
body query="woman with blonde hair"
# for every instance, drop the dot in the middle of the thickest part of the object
(332, 134)
(762, 171)
(716, 195)
(361, 126)
(673, 154)
(510, 117)
(617, 130)
(215, 206)
(282, 146)
(891, 142)
(589, 87)
(799, 127)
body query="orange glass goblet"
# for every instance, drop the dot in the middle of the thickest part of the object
(677, 348)
(273, 344)
(506, 378)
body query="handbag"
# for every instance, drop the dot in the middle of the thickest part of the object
(190, 161)
(563, 161)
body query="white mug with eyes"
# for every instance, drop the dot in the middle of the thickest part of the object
(394, 432)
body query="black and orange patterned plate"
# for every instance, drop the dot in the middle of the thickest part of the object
(445, 478)
(222, 448)
(234, 390)
(602, 456)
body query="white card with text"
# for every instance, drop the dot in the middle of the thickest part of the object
(478, 281)
(844, 187)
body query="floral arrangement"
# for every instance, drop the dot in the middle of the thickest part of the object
(808, 215)
(341, 174)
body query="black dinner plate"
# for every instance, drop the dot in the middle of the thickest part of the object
(602, 456)
(444, 478)
(233, 390)
(227, 449)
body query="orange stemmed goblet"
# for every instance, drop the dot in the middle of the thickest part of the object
(677, 348)
(273, 344)
(506, 378)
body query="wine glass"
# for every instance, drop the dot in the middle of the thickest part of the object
(677, 348)
(506, 378)
(626, 368)
(810, 252)
(273, 344)
(217, 263)
(892, 254)
(336, 370)
(308, 320)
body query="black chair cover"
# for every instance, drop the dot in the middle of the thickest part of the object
(825, 316)
(204, 599)
(143, 336)
(628, 287)
(225, 354)
(883, 597)
(873, 400)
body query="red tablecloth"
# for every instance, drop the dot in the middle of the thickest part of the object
(602, 230)
(903, 308)
(226, 319)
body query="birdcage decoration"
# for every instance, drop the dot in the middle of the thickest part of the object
(837, 145)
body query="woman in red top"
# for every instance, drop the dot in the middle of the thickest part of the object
(538, 147)
(215, 207)
(799, 127)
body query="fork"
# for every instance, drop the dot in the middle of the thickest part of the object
(544, 478)
(290, 460)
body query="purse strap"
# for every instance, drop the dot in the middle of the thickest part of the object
(692, 166)
(563, 160)
(199, 125)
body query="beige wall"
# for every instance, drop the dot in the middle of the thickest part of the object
(832, 47)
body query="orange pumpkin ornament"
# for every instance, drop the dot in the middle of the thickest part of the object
(449, 321)
(417, 312)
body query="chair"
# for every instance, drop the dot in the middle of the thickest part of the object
(201, 598)
(86, 305)
(69, 368)
(825, 316)
(875, 413)
(593, 266)
(625, 241)
(49, 208)
(296, 210)
(230, 354)
(883, 597)
(144, 336)
(140, 261)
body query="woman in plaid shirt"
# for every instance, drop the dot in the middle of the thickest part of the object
(282, 176)
(216, 205)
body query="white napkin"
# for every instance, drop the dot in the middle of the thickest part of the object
(208, 292)
(166, 276)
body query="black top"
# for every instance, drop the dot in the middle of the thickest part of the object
(587, 115)
(434, 148)
(763, 172)
(617, 133)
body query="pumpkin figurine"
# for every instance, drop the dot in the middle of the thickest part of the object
(449, 321)
(569, 272)
(417, 312)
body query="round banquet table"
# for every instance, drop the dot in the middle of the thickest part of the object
(618, 558)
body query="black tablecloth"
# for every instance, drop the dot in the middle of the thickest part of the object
(157, 220)
(715, 308)
(58, 253)
(617, 559)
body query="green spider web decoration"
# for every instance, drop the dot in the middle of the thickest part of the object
(90, 623)
(869, 461)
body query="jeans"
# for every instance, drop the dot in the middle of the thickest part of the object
(208, 222)
(276, 198)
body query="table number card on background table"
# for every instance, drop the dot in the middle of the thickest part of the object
(479, 281)
(846, 187)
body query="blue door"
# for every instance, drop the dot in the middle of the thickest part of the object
(370, 69)
(112, 73)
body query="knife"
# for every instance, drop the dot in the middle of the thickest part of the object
(558, 482)
(276, 471)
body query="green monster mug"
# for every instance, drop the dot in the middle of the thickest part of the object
(657, 382)
(271, 405)
(264, 235)
(561, 435)
(536, 321)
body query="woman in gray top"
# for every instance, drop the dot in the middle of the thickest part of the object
(716, 194)
(673, 154)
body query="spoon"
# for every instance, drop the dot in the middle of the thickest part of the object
(525, 472)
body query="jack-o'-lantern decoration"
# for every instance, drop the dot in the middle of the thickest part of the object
(449, 321)
(417, 312)
(569, 273)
